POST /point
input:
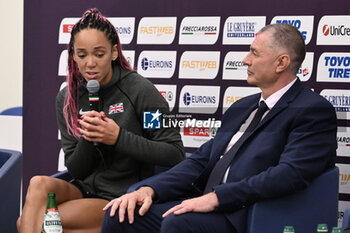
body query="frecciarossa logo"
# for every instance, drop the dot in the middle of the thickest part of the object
(199, 30)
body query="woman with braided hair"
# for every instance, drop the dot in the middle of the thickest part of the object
(106, 151)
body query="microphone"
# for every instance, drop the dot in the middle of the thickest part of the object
(93, 87)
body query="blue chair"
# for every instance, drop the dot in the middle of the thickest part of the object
(16, 111)
(303, 210)
(10, 189)
(346, 220)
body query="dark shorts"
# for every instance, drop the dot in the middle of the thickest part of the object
(86, 190)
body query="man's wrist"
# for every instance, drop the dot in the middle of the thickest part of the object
(148, 190)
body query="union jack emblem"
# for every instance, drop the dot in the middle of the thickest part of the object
(116, 108)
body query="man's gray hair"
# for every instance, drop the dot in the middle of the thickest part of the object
(288, 37)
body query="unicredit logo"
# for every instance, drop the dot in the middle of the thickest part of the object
(339, 30)
(325, 30)
(187, 98)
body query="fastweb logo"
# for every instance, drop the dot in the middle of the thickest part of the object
(156, 30)
(199, 65)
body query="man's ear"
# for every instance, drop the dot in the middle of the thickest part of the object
(283, 63)
(115, 52)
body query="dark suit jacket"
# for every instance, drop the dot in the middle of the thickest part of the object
(294, 143)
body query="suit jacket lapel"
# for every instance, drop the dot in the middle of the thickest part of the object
(283, 103)
(232, 126)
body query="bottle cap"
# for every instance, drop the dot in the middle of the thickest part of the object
(288, 229)
(52, 194)
(336, 230)
(322, 228)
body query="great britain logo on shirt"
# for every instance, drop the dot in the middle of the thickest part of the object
(116, 108)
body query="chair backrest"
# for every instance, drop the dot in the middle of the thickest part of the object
(10, 189)
(304, 210)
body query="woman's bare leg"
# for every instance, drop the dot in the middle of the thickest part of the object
(36, 200)
(82, 215)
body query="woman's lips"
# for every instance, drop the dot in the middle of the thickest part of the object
(91, 75)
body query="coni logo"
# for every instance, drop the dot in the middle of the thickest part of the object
(187, 98)
(144, 63)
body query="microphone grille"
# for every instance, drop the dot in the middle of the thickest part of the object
(93, 86)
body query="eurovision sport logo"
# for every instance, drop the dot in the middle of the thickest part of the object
(199, 30)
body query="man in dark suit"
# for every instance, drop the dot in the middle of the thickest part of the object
(262, 159)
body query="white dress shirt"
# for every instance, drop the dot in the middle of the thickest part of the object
(270, 102)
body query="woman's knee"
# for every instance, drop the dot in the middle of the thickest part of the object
(38, 187)
(18, 223)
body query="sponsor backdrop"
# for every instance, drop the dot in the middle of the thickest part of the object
(192, 51)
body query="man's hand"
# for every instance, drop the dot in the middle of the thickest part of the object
(96, 127)
(142, 197)
(203, 204)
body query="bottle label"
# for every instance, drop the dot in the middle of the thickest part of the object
(52, 222)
